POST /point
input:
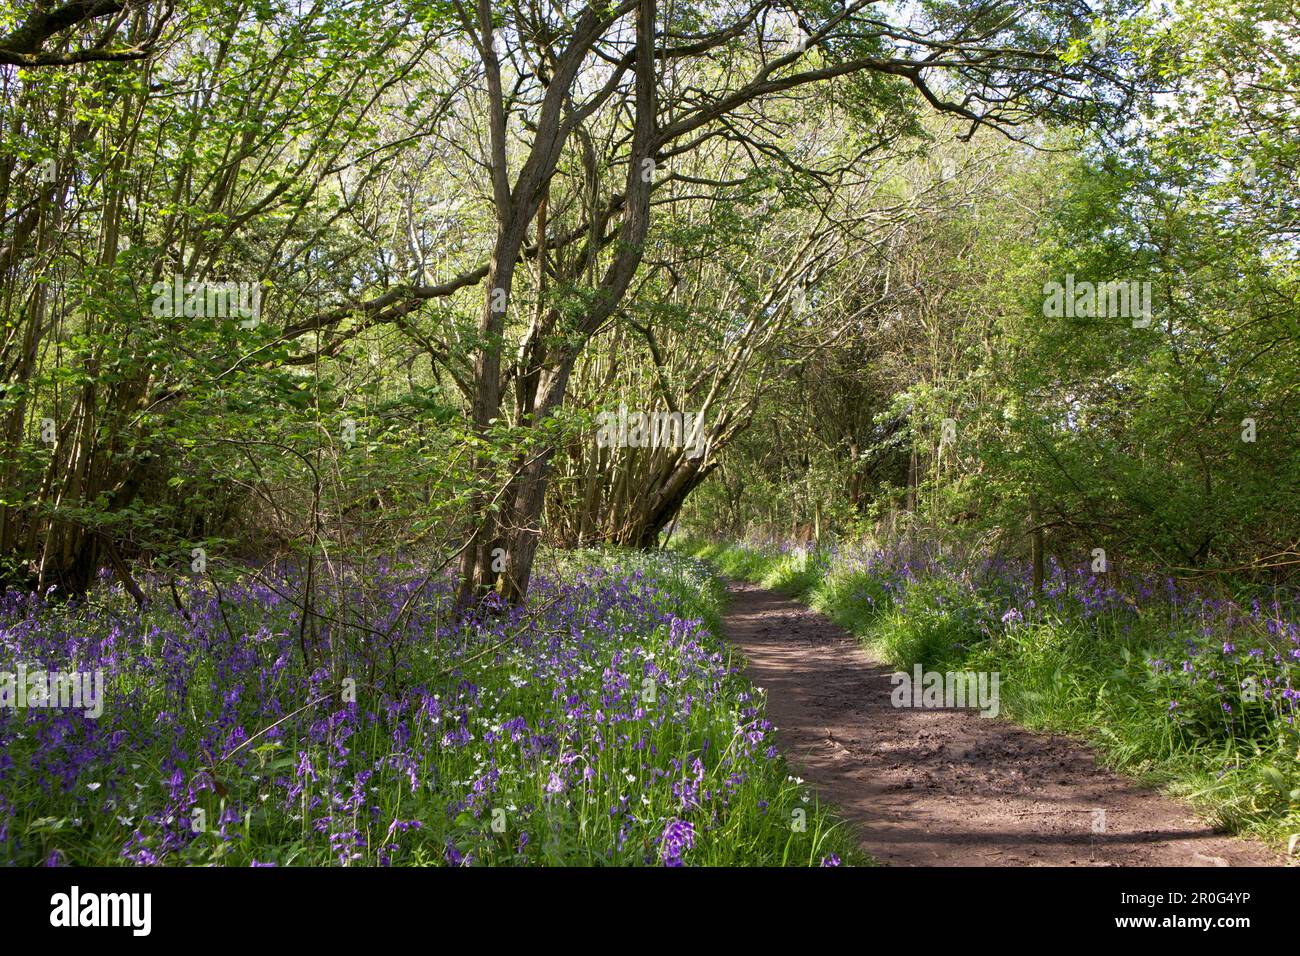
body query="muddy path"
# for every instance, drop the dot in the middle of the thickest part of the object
(944, 787)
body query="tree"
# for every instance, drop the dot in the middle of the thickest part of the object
(999, 69)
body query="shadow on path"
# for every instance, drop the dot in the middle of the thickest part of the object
(945, 787)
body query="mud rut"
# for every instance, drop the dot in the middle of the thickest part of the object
(950, 788)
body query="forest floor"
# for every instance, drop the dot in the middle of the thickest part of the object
(933, 787)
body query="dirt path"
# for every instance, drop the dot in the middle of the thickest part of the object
(944, 787)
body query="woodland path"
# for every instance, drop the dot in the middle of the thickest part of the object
(945, 787)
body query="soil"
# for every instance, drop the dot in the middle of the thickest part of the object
(935, 787)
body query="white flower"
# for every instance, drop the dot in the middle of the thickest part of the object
(93, 786)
